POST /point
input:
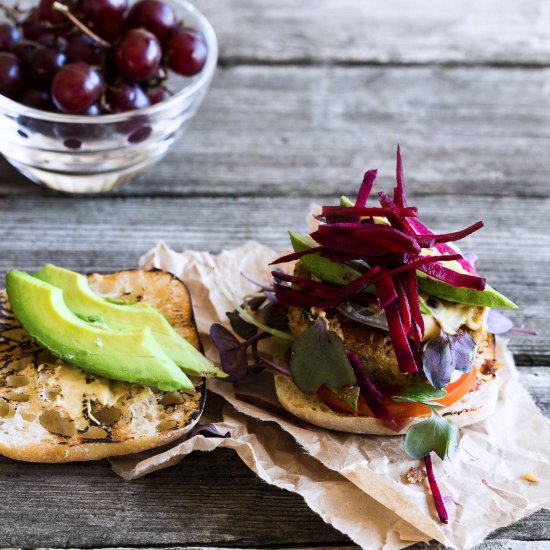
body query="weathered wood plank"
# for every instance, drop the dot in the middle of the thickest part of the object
(97, 234)
(311, 131)
(210, 499)
(367, 31)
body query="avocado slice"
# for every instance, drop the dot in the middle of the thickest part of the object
(127, 316)
(342, 274)
(129, 356)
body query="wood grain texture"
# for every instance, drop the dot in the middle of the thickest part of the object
(312, 131)
(106, 235)
(393, 31)
(89, 507)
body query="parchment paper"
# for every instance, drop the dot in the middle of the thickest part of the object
(334, 472)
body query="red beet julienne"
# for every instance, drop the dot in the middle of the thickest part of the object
(393, 253)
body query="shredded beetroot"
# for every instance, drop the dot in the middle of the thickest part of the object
(399, 340)
(371, 394)
(305, 283)
(438, 499)
(354, 211)
(399, 196)
(385, 290)
(454, 278)
(403, 305)
(388, 255)
(431, 239)
(296, 255)
(417, 322)
(420, 229)
(366, 188)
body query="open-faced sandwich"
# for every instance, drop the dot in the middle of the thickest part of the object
(386, 326)
(98, 366)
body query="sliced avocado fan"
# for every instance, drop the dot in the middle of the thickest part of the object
(342, 274)
(129, 356)
(127, 316)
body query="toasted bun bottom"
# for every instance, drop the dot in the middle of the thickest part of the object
(148, 418)
(474, 407)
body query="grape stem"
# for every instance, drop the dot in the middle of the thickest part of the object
(58, 6)
(12, 13)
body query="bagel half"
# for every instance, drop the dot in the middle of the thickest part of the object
(474, 407)
(53, 412)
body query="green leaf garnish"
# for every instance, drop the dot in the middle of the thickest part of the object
(350, 394)
(421, 393)
(319, 358)
(435, 434)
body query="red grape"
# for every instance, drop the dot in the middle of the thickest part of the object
(153, 15)
(155, 95)
(53, 41)
(34, 27)
(99, 11)
(24, 49)
(82, 48)
(76, 87)
(138, 55)
(186, 52)
(10, 75)
(37, 99)
(45, 12)
(9, 35)
(109, 30)
(43, 65)
(126, 97)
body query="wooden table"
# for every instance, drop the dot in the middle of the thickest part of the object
(308, 95)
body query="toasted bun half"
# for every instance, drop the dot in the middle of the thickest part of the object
(53, 412)
(473, 407)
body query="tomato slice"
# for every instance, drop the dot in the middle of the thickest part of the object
(455, 391)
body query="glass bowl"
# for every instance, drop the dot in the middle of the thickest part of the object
(85, 154)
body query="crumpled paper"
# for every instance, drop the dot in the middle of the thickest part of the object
(334, 472)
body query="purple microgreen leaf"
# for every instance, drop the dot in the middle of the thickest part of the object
(272, 408)
(275, 315)
(242, 328)
(319, 358)
(437, 361)
(498, 323)
(434, 434)
(444, 354)
(206, 430)
(436, 493)
(524, 330)
(255, 282)
(262, 362)
(233, 357)
(463, 349)
(246, 316)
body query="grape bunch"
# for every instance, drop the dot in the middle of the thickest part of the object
(96, 57)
